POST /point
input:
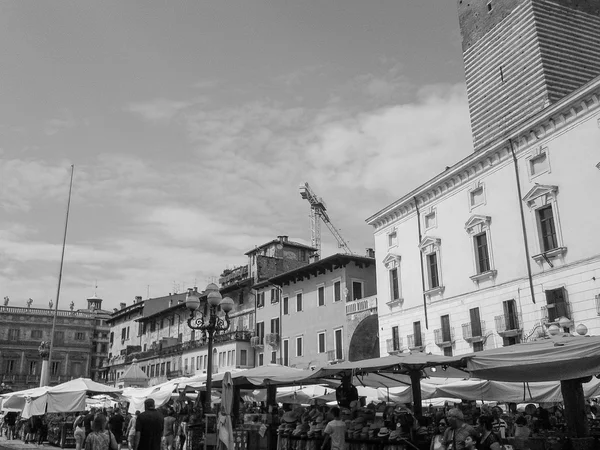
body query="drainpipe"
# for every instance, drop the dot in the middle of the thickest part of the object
(421, 260)
(253, 292)
(523, 229)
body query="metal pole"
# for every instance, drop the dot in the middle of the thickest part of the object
(62, 258)
(210, 331)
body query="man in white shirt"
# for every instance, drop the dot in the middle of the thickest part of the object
(335, 431)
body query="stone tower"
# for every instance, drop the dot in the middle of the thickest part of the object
(523, 55)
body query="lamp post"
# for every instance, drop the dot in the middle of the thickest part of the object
(210, 324)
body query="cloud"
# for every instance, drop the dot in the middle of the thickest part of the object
(205, 84)
(158, 110)
(64, 122)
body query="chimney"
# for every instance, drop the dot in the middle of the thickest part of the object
(115, 310)
(370, 253)
(138, 298)
(122, 305)
(282, 238)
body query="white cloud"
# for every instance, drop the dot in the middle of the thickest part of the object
(158, 110)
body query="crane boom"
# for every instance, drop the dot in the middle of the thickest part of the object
(318, 213)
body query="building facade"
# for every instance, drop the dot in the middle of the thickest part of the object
(319, 314)
(499, 247)
(22, 329)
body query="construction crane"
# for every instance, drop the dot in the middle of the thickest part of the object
(318, 213)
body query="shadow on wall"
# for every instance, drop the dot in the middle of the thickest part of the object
(365, 341)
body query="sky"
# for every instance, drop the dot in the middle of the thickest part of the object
(191, 126)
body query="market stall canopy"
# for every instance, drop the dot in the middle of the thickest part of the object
(17, 400)
(70, 396)
(552, 359)
(271, 374)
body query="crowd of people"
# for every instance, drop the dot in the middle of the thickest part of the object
(31, 430)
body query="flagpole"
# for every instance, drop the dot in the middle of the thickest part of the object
(45, 376)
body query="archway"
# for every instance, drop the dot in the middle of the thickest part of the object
(364, 343)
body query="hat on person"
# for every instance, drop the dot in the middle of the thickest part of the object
(383, 432)
(289, 417)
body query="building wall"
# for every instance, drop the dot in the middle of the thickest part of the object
(570, 139)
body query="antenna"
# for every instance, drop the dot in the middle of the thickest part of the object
(148, 292)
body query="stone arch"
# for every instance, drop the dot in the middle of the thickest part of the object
(364, 343)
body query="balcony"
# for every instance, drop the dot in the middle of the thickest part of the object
(444, 337)
(231, 276)
(364, 304)
(335, 356)
(174, 373)
(272, 339)
(417, 344)
(257, 342)
(473, 332)
(509, 325)
(394, 346)
(554, 311)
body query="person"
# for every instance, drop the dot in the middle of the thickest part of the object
(488, 439)
(10, 419)
(346, 392)
(100, 438)
(522, 433)
(499, 424)
(130, 432)
(79, 431)
(88, 419)
(169, 430)
(149, 427)
(115, 424)
(438, 436)
(335, 431)
(454, 439)
(182, 432)
(471, 441)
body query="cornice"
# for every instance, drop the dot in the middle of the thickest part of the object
(543, 125)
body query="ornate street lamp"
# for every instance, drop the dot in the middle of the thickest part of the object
(210, 324)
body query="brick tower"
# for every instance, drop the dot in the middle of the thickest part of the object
(522, 55)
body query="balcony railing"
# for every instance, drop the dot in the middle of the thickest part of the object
(44, 312)
(272, 339)
(230, 276)
(509, 325)
(36, 343)
(257, 342)
(363, 304)
(552, 312)
(416, 344)
(444, 337)
(394, 346)
(335, 355)
(473, 332)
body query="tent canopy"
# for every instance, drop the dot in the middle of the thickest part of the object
(552, 359)
(271, 374)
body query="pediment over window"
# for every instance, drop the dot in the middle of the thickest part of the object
(391, 261)
(477, 224)
(546, 192)
(429, 244)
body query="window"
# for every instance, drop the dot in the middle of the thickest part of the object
(228, 358)
(357, 290)
(260, 332)
(127, 333)
(557, 305)
(59, 336)
(185, 365)
(547, 228)
(55, 368)
(511, 319)
(299, 302)
(286, 352)
(13, 334)
(36, 334)
(339, 344)
(394, 284)
(274, 295)
(476, 195)
(103, 348)
(76, 369)
(489, 8)
(447, 351)
(80, 336)
(321, 295)
(112, 337)
(430, 248)
(481, 250)
(168, 366)
(123, 333)
(273, 357)
(233, 357)
(418, 341)
(9, 366)
(430, 220)
(478, 346)
(261, 359)
(321, 342)
(337, 291)
(275, 325)
(260, 301)
(162, 368)
(153, 326)
(299, 346)
(432, 271)
(392, 239)
(395, 339)
(538, 162)
(543, 205)
(243, 357)
(446, 331)
(475, 322)
(286, 306)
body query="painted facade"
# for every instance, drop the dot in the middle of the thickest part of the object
(454, 272)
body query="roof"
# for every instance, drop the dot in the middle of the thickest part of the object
(331, 262)
(162, 312)
(126, 310)
(278, 241)
(134, 373)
